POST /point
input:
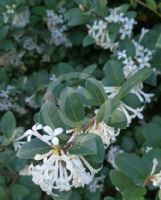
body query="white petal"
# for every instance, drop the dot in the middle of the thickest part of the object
(58, 131)
(55, 141)
(48, 130)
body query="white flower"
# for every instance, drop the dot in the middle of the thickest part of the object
(143, 97)
(155, 178)
(49, 136)
(143, 55)
(100, 33)
(127, 28)
(61, 172)
(21, 19)
(129, 112)
(107, 133)
(57, 28)
(112, 153)
(97, 184)
(25, 171)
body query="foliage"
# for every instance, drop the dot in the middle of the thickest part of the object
(76, 77)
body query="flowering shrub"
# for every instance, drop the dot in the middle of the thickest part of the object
(79, 100)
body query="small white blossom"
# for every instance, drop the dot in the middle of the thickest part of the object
(107, 133)
(100, 33)
(112, 153)
(57, 28)
(21, 19)
(155, 178)
(129, 112)
(143, 96)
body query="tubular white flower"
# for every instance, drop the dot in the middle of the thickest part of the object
(99, 30)
(107, 133)
(155, 178)
(61, 171)
(129, 112)
(143, 97)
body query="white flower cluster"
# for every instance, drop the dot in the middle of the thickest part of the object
(97, 184)
(17, 19)
(21, 19)
(129, 112)
(107, 133)
(57, 27)
(7, 100)
(142, 58)
(100, 33)
(112, 153)
(10, 10)
(57, 169)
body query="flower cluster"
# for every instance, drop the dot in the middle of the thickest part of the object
(129, 112)
(57, 27)
(57, 169)
(142, 58)
(107, 133)
(7, 100)
(100, 33)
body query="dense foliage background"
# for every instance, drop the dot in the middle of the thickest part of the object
(39, 59)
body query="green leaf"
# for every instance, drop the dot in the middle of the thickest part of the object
(158, 43)
(128, 189)
(118, 120)
(75, 17)
(132, 166)
(2, 193)
(30, 149)
(39, 10)
(51, 115)
(140, 76)
(127, 45)
(84, 144)
(8, 124)
(18, 190)
(89, 145)
(87, 41)
(100, 7)
(3, 31)
(105, 111)
(152, 134)
(152, 4)
(72, 109)
(96, 90)
(113, 73)
(132, 100)
(63, 195)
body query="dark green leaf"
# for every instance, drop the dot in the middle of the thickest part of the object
(30, 149)
(114, 73)
(8, 124)
(96, 91)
